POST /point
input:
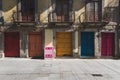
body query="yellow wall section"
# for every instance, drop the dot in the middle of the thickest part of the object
(48, 38)
(79, 8)
(76, 42)
(44, 8)
(111, 3)
(8, 7)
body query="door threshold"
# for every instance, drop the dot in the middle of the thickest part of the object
(65, 57)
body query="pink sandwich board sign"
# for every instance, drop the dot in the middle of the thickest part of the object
(48, 52)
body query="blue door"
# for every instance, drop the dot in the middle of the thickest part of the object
(87, 43)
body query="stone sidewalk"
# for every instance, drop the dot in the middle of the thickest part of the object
(59, 69)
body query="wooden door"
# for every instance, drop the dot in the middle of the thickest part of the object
(28, 10)
(11, 44)
(87, 43)
(63, 44)
(35, 44)
(107, 44)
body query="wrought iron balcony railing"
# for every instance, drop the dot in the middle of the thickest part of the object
(90, 16)
(111, 14)
(18, 17)
(53, 17)
(92, 19)
(108, 15)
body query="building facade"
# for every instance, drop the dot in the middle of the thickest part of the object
(76, 28)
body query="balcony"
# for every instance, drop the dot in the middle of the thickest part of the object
(111, 14)
(92, 18)
(62, 20)
(23, 19)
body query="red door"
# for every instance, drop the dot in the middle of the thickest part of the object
(35, 44)
(107, 47)
(11, 44)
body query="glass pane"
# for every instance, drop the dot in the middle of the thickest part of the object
(88, 7)
(96, 6)
(91, 6)
(70, 5)
(96, 11)
(65, 9)
(58, 9)
(90, 12)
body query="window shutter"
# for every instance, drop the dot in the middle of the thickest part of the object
(100, 10)
(54, 5)
(0, 5)
(70, 5)
(1, 17)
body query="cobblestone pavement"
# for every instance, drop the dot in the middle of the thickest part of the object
(59, 69)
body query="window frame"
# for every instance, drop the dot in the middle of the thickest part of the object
(99, 10)
(62, 11)
(20, 11)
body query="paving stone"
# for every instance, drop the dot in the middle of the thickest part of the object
(59, 69)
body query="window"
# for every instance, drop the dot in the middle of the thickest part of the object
(93, 10)
(28, 10)
(63, 9)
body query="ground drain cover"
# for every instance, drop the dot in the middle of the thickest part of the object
(97, 75)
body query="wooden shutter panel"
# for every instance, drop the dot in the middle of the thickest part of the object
(1, 17)
(70, 5)
(100, 10)
(54, 6)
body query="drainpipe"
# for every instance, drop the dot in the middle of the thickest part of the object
(117, 54)
(2, 43)
(116, 42)
(99, 47)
